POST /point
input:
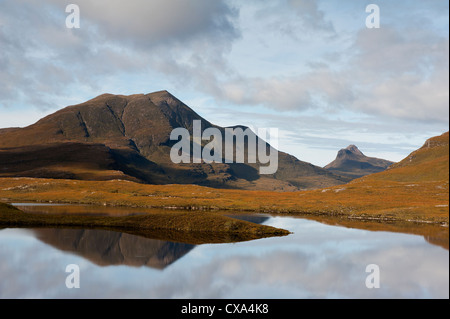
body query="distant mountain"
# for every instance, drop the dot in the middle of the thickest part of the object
(128, 137)
(427, 164)
(352, 163)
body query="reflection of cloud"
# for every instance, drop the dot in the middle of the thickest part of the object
(25, 270)
(317, 276)
(317, 261)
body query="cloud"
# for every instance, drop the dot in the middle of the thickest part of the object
(149, 23)
(305, 59)
(386, 73)
(287, 93)
(41, 60)
(404, 75)
(298, 19)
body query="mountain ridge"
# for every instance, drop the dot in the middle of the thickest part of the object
(128, 137)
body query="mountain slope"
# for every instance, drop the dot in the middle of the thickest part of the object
(128, 137)
(427, 164)
(352, 163)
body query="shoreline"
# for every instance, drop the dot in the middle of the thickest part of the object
(215, 227)
(301, 214)
(433, 232)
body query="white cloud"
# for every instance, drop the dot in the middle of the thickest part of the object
(387, 74)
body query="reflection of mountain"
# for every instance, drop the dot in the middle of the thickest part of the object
(106, 248)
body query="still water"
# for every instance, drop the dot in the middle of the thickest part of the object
(315, 261)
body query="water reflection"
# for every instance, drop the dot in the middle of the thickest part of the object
(316, 261)
(159, 233)
(106, 248)
(435, 234)
(322, 258)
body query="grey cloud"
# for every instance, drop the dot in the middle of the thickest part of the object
(297, 19)
(42, 61)
(148, 23)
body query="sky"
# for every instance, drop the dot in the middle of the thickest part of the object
(310, 68)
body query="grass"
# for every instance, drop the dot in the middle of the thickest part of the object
(385, 200)
(187, 226)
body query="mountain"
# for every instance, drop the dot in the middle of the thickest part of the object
(128, 137)
(429, 163)
(352, 163)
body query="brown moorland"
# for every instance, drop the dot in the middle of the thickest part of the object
(384, 200)
(414, 191)
(415, 188)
